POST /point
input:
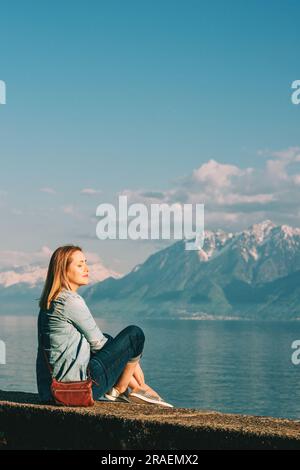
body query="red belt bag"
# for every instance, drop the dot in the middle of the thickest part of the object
(71, 393)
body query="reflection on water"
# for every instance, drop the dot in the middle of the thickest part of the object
(237, 367)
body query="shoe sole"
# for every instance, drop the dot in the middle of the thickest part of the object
(120, 397)
(121, 400)
(141, 399)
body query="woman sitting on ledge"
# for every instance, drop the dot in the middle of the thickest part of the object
(73, 342)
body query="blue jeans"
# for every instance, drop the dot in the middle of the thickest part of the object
(107, 364)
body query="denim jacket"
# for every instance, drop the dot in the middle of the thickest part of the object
(68, 333)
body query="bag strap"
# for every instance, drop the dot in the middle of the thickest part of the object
(88, 373)
(47, 362)
(45, 354)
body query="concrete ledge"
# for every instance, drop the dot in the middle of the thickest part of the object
(26, 424)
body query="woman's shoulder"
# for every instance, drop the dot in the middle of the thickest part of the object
(71, 305)
(65, 294)
(62, 300)
(70, 298)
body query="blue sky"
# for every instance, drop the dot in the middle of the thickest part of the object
(137, 96)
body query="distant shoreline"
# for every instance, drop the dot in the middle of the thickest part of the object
(195, 318)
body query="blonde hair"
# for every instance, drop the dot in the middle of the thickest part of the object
(56, 278)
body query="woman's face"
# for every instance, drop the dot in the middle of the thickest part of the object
(78, 271)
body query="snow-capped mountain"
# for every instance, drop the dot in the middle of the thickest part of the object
(252, 273)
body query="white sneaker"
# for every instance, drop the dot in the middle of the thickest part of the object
(143, 396)
(114, 395)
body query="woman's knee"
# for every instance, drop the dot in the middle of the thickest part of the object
(136, 331)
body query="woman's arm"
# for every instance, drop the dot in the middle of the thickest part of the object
(79, 314)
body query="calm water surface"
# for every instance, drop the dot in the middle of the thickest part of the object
(237, 367)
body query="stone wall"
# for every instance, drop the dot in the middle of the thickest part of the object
(26, 424)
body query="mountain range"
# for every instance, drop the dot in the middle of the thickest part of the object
(251, 274)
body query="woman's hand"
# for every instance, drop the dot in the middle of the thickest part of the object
(139, 375)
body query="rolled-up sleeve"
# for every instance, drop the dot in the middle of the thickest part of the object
(79, 314)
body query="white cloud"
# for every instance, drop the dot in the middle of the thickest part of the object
(217, 174)
(290, 154)
(32, 276)
(15, 259)
(229, 199)
(277, 165)
(235, 195)
(48, 190)
(90, 191)
(97, 270)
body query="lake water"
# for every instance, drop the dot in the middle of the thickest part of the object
(228, 366)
